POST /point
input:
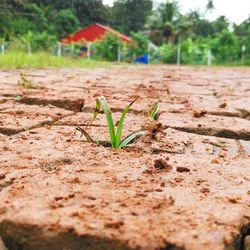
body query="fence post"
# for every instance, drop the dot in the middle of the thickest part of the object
(149, 53)
(209, 57)
(59, 49)
(88, 51)
(2, 49)
(243, 49)
(179, 54)
(118, 53)
(29, 48)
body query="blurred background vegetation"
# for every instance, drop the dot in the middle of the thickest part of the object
(37, 25)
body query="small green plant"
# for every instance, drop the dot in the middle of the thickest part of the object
(154, 112)
(18, 98)
(115, 136)
(27, 84)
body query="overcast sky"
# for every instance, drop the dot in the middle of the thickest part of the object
(235, 10)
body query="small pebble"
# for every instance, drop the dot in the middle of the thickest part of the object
(182, 169)
(223, 105)
(162, 164)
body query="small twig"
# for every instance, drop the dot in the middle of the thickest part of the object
(83, 132)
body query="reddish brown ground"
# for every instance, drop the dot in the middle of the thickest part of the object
(187, 187)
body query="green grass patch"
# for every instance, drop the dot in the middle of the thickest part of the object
(20, 60)
(233, 64)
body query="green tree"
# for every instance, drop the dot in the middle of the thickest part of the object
(91, 11)
(226, 47)
(107, 48)
(43, 41)
(210, 5)
(139, 46)
(220, 24)
(243, 29)
(49, 14)
(87, 11)
(13, 4)
(131, 15)
(183, 27)
(35, 15)
(161, 22)
(21, 26)
(200, 25)
(5, 20)
(168, 53)
(168, 24)
(65, 23)
(203, 28)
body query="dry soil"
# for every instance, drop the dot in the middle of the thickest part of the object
(186, 185)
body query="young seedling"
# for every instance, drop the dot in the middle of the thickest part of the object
(115, 136)
(27, 84)
(154, 112)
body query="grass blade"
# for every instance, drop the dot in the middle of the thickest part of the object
(101, 102)
(120, 124)
(97, 109)
(154, 111)
(131, 138)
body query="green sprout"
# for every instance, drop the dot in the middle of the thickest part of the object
(115, 136)
(154, 112)
(27, 84)
(18, 98)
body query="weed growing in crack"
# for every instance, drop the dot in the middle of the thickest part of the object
(18, 98)
(27, 84)
(154, 112)
(115, 135)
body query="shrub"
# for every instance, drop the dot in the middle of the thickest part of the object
(107, 47)
(168, 53)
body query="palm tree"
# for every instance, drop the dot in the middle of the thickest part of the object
(210, 5)
(167, 24)
(49, 13)
(183, 27)
(17, 1)
(161, 22)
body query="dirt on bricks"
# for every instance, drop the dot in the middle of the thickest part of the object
(185, 186)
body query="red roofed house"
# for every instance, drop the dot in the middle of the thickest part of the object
(91, 33)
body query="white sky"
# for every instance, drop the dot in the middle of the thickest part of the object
(235, 10)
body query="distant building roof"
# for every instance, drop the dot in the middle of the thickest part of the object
(91, 33)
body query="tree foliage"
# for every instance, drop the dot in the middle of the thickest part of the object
(65, 23)
(165, 25)
(131, 15)
(107, 48)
